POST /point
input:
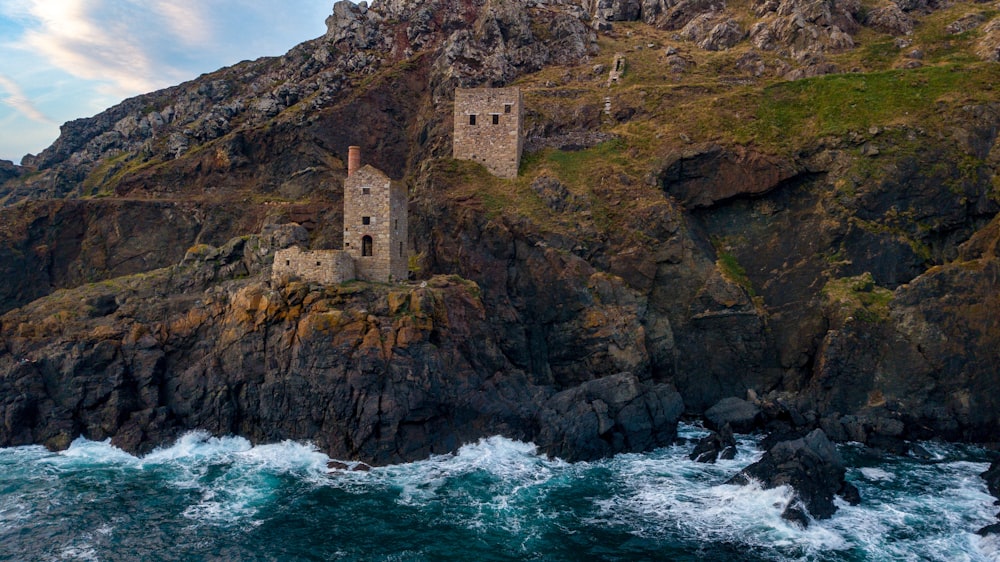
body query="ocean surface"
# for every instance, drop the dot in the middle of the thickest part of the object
(207, 498)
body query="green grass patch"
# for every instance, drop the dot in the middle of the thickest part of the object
(837, 104)
(734, 272)
(858, 297)
(576, 168)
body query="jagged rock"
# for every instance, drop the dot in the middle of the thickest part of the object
(671, 14)
(698, 28)
(911, 5)
(706, 175)
(751, 63)
(607, 416)
(740, 415)
(8, 170)
(890, 19)
(965, 23)
(992, 477)
(804, 26)
(988, 47)
(722, 36)
(718, 445)
(555, 195)
(614, 10)
(678, 64)
(812, 466)
(814, 66)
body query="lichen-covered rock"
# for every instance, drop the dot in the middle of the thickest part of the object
(988, 47)
(803, 27)
(890, 19)
(722, 36)
(965, 23)
(671, 14)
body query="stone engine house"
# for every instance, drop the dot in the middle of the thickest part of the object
(489, 128)
(375, 226)
(375, 232)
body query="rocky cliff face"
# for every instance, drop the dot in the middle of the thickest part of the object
(373, 372)
(734, 218)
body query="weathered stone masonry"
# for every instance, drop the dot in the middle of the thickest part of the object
(375, 232)
(321, 266)
(375, 226)
(489, 128)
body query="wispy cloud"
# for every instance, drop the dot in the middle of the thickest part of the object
(187, 19)
(15, 98)
(118, 42)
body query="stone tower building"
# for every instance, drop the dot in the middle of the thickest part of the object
(489, 129)
(375, 226)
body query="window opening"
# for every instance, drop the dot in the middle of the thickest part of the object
(366, 220)
(496, 118)
(366, 246)
(506, 108)
(472, 119)
(366, 191)
(400, 249)
(318, 264)
(288, 262)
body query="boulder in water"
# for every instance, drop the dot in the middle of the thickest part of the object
(812, 466)
(609, 415)
(718, 445)
(992, 478)
(742, 416)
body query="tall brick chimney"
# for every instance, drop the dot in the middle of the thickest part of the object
(353, 159)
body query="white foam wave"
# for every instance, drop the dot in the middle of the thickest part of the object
(989, 546)
(911, 509)
(83, 453)
(671, 497)
(876, 474)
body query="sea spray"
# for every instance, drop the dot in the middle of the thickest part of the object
(223, 498)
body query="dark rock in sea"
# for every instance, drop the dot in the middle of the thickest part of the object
(812, 466)
(920, 452)
(740, 415)
(993, 529)
(607, 416)
(775, 437)
(992, 478)
(351, 467)
(796, 513)
(718, 445)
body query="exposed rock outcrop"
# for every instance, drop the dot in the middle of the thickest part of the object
(988, 47)
(890, 19)
(804, 27)
(738, 414)
(812, 466)
(705, 175)
(717, 445)
(607, 416)
(992, 477)
(375, 373)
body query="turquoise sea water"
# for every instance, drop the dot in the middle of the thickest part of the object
(206, 498)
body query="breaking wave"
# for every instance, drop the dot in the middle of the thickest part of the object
(222, 498)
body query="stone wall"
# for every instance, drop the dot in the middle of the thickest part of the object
(489, 128)
(318, 266)
(376, 208)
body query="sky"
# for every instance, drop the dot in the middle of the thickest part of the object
(65, 59)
